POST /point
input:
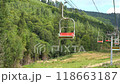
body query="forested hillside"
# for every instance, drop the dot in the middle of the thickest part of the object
(103, 16)
(106, 18)
(25, 23)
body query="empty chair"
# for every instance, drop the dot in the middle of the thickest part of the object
(63, 28)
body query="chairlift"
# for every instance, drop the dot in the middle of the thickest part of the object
(66, 34)
(116, 42)
(107, 39)
(99, 38)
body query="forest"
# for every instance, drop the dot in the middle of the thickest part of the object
(25, 23)
(108, 17)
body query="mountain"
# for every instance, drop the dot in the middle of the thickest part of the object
(107, 18)
(110, 17)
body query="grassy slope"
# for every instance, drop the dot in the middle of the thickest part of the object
(77, 60)
(115, 65)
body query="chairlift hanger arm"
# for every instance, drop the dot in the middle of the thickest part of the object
(63, 8)
(65, 35)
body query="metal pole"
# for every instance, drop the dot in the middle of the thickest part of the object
(63, 8)
(111, 49)
(55, 3)
(59, 46)
(118, 37)
(62, 11)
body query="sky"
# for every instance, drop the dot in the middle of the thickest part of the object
(104, 6)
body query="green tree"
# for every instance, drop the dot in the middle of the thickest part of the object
(85, 41)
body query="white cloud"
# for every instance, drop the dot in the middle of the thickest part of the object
(111, 10)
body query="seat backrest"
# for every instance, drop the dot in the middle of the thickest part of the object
(66, 26)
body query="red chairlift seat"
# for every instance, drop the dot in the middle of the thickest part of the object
(108, 40)
(66, 35)
(116, 43)
(100, 41)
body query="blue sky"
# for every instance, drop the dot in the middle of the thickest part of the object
(104, 6)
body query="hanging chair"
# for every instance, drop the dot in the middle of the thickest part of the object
(99, 39)
(65, 34)
(107, 39)
(116, 42)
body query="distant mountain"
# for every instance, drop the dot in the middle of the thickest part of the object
(111, 16)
